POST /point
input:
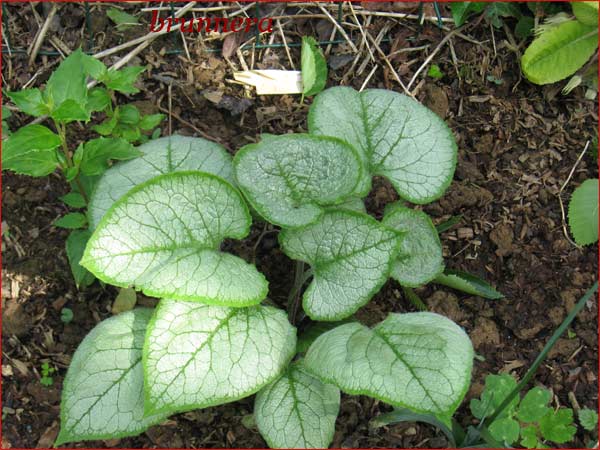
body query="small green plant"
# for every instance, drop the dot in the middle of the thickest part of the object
(66, 315)
(47, 372)
(528, 420)
(214, 336)
(588, 419)
(563, 45)
(314, 67)
(435, 72)
(37, 151)
(583, 213)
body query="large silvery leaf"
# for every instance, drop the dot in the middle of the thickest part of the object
(420, 259)
(102, 394)
(163, 238)
(421, 361)
(350, 254)
(199, 355)
(398, 138)
(289, 179)
(159, 157)
(559, 52)
(297, 410)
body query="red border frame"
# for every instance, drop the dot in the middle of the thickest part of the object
(249, 1)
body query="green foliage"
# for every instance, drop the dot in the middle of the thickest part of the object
(588, 419)
(71, 221)
(462, 10)
(75, 246)
(563, 46)
(435, 72)
(47, 372)
(314, 67)
(6, 114)
(66, 315)
(127, 123)
(468, 283)
(159, 224)
(529, 418)
(583, 212)
(494, 12)
(122, 19)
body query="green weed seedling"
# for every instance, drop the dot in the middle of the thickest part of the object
(37, 150)
(47, 372)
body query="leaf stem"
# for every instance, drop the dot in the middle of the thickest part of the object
(557, 334)
(62, 132)
(293, 302)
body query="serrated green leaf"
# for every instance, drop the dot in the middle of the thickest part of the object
(75, 246)
(350, 254)
(97, 153)
(129, 114)
(495, 11)
(67, 82)
(106, 128)
(297, 410)
(559, 52)
(121, 18)
(420, 258)
(466, 282)
(151, 121)
(130, 133)
(529, 438)
(397, 137)
(289, 179)
(160, 156)
(197, 355)
(462, 10)
(93, 67)
(70, 110)
(400, 361)
(123, 80)
(30, 101)
(31, 151)
(98, 99)
(71, 221)
(102, 394)
(534, 405)
(74, 200)
(586, 12)
(497, 388)
(314, 67)
(179, 220)
(588, 419)
(557, 426)
(505, 430)
(583, 212)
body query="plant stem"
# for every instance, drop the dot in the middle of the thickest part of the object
(557, 334)
(62, 132)
(293, 302)
(414, 298)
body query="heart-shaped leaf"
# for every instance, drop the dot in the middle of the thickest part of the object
(350, 254)
(420, 259)
(198, 355)
(163, 237)
(421, 361)
(398, 138)
(297, 410)
(159, 156)
(102, 394)
(290, 178)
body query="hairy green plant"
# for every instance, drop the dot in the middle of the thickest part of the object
(159, 224)
(563, 45)
(37, 150)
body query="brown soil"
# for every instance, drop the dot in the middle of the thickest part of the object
(517, 145)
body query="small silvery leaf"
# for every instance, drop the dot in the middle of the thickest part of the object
(398, 138)
(159, 156)
(297, 410)
(163, 238)
(102, 394)
(421, 361)
(420, 259)
(290, 179)
(197, 355)
(350, 254)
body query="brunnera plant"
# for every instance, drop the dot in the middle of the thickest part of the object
(159, 222)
